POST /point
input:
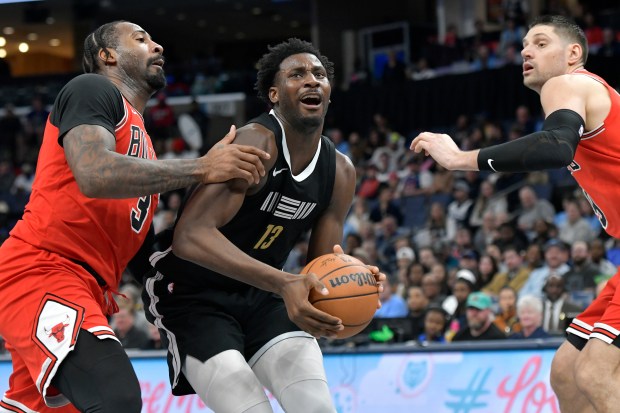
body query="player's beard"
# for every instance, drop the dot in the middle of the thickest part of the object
(156, 81)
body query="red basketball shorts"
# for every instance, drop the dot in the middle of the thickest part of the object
(45, 300)
(601, 319)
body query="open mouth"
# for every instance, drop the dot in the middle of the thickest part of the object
(527, 67)
(311, 100)
(158, 62)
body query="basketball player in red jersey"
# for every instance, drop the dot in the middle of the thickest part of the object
(92, 203)
(582, 132)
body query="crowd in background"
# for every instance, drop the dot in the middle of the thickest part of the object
(468, 255)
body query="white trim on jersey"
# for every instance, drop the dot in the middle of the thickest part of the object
(122, 122)
(173, 349)
(287, 156)
(15, 404)
(158, 255)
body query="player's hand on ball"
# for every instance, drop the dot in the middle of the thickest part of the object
(379, 276)
(305, 315)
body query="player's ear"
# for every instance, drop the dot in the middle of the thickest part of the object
(273, 95)
(575, 53)
(107, 56)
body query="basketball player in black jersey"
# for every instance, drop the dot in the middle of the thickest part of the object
(234, 320)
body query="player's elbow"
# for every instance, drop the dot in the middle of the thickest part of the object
(89, 187)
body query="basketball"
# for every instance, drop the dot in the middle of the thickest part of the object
(353, 291)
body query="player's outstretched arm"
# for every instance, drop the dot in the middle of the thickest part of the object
(552, 147)
(101, 172)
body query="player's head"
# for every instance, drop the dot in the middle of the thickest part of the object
(295, 77)
(128, 48)
(553, 46)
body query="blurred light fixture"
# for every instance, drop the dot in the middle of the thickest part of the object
(32, 37)
(2, 41)
(8, 30)
(23, 47)
(54, 42)
(2, 53)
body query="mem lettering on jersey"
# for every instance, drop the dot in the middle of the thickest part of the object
(285, 207)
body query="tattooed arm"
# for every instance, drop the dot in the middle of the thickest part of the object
(102, 173)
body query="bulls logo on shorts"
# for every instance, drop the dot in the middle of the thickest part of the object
(57, 325)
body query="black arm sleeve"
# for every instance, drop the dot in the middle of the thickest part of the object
(553, 147)
(87, 99)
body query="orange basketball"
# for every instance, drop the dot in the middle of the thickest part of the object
(353, 291)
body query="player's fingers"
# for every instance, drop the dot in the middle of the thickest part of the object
(338, 249)
(230, 136)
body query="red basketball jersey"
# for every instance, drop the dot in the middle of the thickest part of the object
(596, 165)
(103, 233)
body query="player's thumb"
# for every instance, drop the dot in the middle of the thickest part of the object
(230, 136)
(317, 284)
(338, 249)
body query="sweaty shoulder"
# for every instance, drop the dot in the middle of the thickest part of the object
(258, 135)
(87, 99)
(578, 92)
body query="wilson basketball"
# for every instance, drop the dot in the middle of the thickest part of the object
(353, 291)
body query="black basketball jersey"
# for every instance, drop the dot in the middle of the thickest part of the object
(270, 222)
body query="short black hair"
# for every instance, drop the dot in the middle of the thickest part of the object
(269, 64)
(565, 28)
(104, 37)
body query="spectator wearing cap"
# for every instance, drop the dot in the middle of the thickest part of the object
(459, 210)
(456, 304)
(392, 305)
(515, 276)
(479, 319)
(556, 258)
(469, 260)
(506, 319)
(530, 313)
(558, 310)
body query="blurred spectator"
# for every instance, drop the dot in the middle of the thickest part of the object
(593, 32)
(506, 319)
(392, 305)
(337, 137)
(529, 311)
(35, 122)
(386, 206)
(10, 130)
(412, 180)
(435, 230)
(357, 146)
(610, 46)
(455, 305)
(394, 70)
(7, 176)
(388, 156)
(154, 341)
(369, 183)
(543, 232)
(415, 274)
(126, 331)
(357, 215)
(431, 287)
(487, 269)
(487, 233)
(23, 181)
(443, 183)
(575, 227)
(479, 319)
(161, 119)
(581, 277)
(599, 259)
(417, 304)
(422, 71)
(524, 120)
(197, 112)
(533, 209)
(556, 257)
(487, 201)
(517, 10)
(558, 309)
(435, 323)
(509, 235)
(484, 59)
(534, 257)
(459, 209)
(512, 34)
(515, 276)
